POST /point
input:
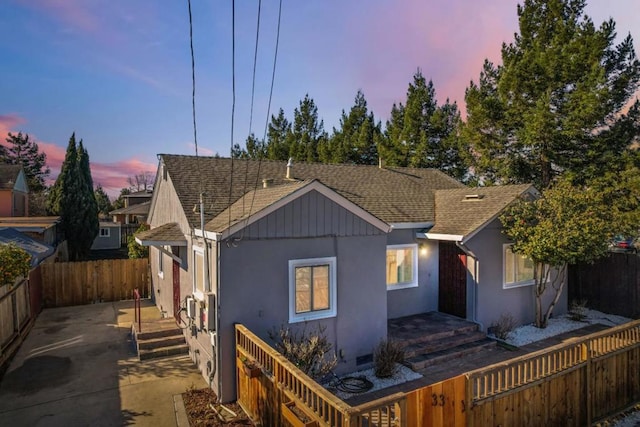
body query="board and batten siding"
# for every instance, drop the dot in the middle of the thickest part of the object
(311, 215)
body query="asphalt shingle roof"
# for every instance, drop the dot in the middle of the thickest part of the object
(164, 233)
(9, 175)
(252, 202)
(458, 215)
(394, 195)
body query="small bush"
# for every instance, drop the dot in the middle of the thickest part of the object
(308, 350)
(15, 262)
(578, 310)
(136, 250)
(503, 326)
(386, 357)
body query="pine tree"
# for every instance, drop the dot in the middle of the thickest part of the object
(277, 147)
(356, 139)
(307, 132)
(556, 104)
(23, 151)
(89, 219)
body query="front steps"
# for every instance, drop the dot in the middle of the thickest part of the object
(436, 338)
(159, 338)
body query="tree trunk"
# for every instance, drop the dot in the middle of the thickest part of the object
(559, 276)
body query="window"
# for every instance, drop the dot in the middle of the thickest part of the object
(199, 285)
(160, 266)
(312, 289)
(105, 232)
(402, 266)
(518, 269)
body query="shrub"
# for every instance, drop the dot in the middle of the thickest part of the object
(308, 350)
(503, 326)
(578, 310)
(136, 250)
(386, 357)
(15, 262)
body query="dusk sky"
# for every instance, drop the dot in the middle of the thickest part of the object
(118, 72)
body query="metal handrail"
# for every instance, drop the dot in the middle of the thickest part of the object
(137, 309)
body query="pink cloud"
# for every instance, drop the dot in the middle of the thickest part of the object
(113, 176)
(8, 122)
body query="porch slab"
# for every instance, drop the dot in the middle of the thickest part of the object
(411, 329)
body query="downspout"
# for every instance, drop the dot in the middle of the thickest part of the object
(474, 275)
(218, 353)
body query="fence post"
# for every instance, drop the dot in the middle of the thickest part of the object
(586, 354)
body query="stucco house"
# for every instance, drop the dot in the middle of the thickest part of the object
(14, 191)
(348, 247)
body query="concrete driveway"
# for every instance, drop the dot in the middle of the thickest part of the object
(78, 367)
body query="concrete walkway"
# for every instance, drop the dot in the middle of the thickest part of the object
(78, 367)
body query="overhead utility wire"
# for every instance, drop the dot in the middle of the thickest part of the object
(233, 99)
(253, 88)
(266, 125)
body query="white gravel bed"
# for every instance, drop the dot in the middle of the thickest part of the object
(529, 333)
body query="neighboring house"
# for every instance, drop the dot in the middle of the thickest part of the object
(108, 236)
(44, 229)
(39, 251)
(343, 246)
(136, 208)
(14, 192)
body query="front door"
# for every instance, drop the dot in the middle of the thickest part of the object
(176, 290)
(452, 282)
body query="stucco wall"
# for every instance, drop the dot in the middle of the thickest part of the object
(492, 299)
(255, 291)
(408, 301)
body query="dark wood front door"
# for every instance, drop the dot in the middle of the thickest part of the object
(176, 290)
(452, 282)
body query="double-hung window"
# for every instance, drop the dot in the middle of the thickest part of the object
(402, 266)
(105, 232)
(312, 289)
(518, 269)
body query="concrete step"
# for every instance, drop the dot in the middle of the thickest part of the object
(422, 361)
(432, 346)
(156, 353)
(168, 341)
(435, 336)
(157, 331)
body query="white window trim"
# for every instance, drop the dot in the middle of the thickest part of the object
(160, 264)
(108, 232)
(414, 282)
(512, 285)
(199, 294)
(333, 289)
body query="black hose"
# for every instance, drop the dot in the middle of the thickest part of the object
(354, 385)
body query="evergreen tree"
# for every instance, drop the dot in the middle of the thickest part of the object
(423, 134)
(307, 132)
(356, 140)
(89, 219)
(277, 147)
(23, 151)
(119, 202)
(102, 200)
(72, 198)
(557, 102)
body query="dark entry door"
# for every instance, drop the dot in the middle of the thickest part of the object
(176, 290)
(452, 282)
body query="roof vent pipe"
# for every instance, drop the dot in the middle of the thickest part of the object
(380, 163)
(289, 166)
(266, 183)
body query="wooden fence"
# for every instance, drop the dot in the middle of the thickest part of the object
(611, 284)
(78, 283)
(15, 315)
(571, 384)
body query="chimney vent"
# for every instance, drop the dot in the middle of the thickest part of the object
(380, 163)
(267, 182)
(289, 167)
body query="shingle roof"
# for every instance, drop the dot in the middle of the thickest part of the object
(251, 203)
(137, 209)
(394, 195)
(460, 212)
(9, 175)
(166, 234)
